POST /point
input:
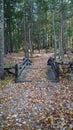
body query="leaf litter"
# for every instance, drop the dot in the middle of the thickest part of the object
(37, 105)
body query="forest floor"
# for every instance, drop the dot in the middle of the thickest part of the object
(37, 105)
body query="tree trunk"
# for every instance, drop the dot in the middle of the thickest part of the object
(61, 42)
(1, 40)
(55, 44)
(10, 35)
(9, 29)
(25, 36)
(30, 43)
(31, 27)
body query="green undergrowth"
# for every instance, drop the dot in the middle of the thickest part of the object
(8, 79)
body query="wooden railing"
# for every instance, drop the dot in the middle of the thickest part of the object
(60, 67)
(19, 67)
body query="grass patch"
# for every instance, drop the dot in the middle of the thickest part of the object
(9, 79)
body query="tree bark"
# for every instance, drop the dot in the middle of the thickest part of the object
(61, 43)
(55, 44)
(1, 40)
(25, 36)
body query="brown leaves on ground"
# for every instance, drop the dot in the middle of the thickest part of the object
(37, 105)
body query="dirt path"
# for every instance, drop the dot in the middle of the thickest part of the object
(41, 105)
(37, 72)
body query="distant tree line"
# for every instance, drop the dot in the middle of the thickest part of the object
(37, 24)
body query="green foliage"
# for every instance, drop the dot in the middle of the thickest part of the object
(9, 79)
(70, 32)
(39, 16)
